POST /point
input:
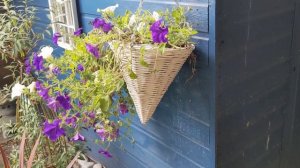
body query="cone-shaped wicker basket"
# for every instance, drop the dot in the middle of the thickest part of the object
(152, 81)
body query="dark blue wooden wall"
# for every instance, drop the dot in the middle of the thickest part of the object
(181, 132)
(257, 110)
(292, 153)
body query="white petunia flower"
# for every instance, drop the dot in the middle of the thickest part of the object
(46, 52)
(109, 9)
(31, 87)
(140, 26)
(17, 90)
(132, 20)
(155, 15)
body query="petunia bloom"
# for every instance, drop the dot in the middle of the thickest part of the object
(107, 27)
(17, 90)
(71, 121)
(44, 93)
(56, 71)
(80, 67)
(93, 50)
(78, 32)
(46, 52)
(38, 62)
(53, 104)
(53, 130)
(27, 66)
(104, 134)
(64, 101)
(78, 114)
(31, 87)
(78, 137)
(97, 23)
(38, 85)
(109, 9)
(159, 33)
(123, 108)
(55, 38)
(92, 115)
(79, 104)
(105, 153)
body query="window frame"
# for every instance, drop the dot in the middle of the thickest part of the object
(54, 22)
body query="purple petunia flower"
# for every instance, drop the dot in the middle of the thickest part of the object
(56, 71)
(105, 153)
(123, 108)
(107, 27)
(97, 23)
(38, 62)
(78, 114)
(44, 93)
(64, 101)
(79, 104)
(38, 85)
(71, 121)
(78, 32)
(80, 67)
(53, 104)
(92, 115)
(78, 137)
(53, 130)
(93, 50)
(27, 66)
(104, 134)
(159, 33)
(55, 38)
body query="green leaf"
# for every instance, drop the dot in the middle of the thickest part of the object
(178, 14)
(105, 103)
(142, 59)
(132, 75)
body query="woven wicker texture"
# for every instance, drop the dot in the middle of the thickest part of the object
(153, 81)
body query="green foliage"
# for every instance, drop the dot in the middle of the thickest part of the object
(17, 37)
(95, 87)
(138, 32)
(134, 29)
(56, 154)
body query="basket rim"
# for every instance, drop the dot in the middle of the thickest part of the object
(190, 46)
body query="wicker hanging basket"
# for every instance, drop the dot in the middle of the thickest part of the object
(152, 81)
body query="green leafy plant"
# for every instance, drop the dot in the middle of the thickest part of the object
(47, 153)
(17, 39)
(84, 87)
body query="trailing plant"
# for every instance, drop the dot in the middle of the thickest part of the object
(48, 153)
(145, 29)
(17, 40)
(17, 37)
(85, 88)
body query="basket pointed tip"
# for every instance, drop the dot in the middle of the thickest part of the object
(148, 89)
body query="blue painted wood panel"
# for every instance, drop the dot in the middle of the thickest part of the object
(254, 79)
(178, 135)
(180, 132)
